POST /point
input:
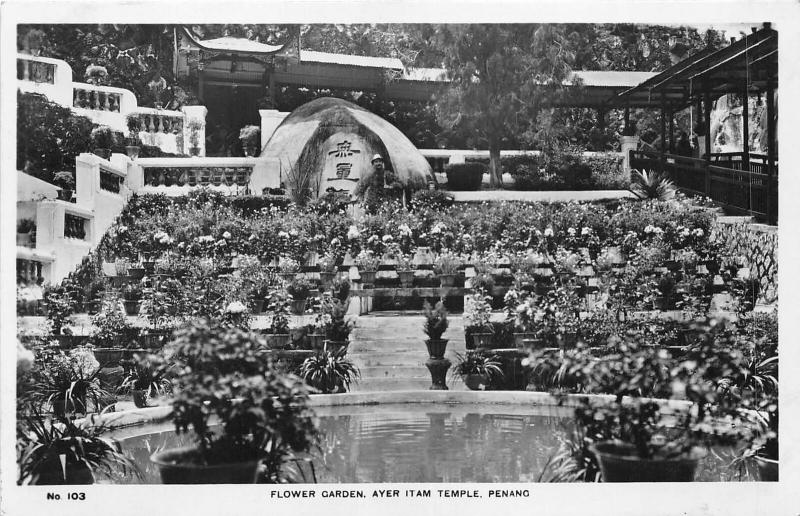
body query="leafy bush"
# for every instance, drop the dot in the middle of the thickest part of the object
(436, 322)
(465, 176)
(49, 136)
(262, 412)
(432, 199)
(329, 372)
(103, 137)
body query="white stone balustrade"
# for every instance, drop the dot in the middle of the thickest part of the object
(107, 105)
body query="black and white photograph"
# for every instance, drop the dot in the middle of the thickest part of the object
(470, 262)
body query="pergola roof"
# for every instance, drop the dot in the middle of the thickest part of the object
(751, 61)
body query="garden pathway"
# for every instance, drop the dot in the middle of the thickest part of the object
(389, 349)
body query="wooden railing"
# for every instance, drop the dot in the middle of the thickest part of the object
(36, 71)
(742, 191)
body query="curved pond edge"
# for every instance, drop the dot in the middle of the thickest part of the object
(115, 420)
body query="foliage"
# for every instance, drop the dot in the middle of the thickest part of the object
(299, 288)
(103, 137)
(430, 199)
(494, 72)
(329, 372)
(478, 313)
(436, 322)
(110, 327)
(262, 413)
(148, 373)
(279, 306)
(477, 362)
(26, 225)
(333, 320)
(652, 185)
(447, 263)
(464, 176)
(250, 135)
(69, 381)
(49, 136)
(42, 442)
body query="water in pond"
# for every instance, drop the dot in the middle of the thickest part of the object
(422, 443)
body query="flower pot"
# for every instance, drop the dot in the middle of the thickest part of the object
(476, 382)
(136, 273)
(436, 348)
(140, 398)
(326, 279)
(132, 151)
(316, 341)
(194, 151)
(447, 280)
(619, 463)
(132, 307)
(367, 277)
(406, 278)
(298, 306)
(109, 357)
(177, 466)
(660, 303)
(103, 153)
(258, 305)
(279, 340)
(335, 346)
(520, 338)
(767, 469)
(482, 340)
(50, 472)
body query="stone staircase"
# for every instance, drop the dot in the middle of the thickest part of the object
(389, 349)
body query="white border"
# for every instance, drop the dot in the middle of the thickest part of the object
(724, 498)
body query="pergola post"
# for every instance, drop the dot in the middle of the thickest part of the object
(707, 126)
(671, 116)
(772, 211)
(745, 129)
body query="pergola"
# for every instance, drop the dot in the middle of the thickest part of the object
(741, 181)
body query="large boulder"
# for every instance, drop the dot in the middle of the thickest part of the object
(330, 142)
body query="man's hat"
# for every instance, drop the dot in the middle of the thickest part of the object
(376, 157)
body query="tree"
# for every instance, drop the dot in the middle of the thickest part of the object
(501, 76)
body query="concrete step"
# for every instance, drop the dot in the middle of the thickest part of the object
(400, 358)
(395, 371)
(401, 384)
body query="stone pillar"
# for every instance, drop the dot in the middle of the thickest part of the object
(270, 120)
(266, 174)
(87, 180)
(195, 114)
(627, 144)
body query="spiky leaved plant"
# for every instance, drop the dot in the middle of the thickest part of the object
(435, 320)
(652, 185)
(329, 371)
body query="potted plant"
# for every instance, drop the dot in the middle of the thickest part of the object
(261, 414)
(43, 442)
(134, 123)
(66, 182)
(446, 267)
(69, 382)
(250, 136)
(288, 268)
(335, 323)
(145, 378)
(194, 127)
(103, 139)
(522, 314)
(327, 269)
(477, 321)
(478, 369)
(405, 270)
(26, 233)
(96, 74)
(329, 371)
(300, 290)
(367, 264)
(434, 327)
(632, 437)
(132, 295)
(278, 330)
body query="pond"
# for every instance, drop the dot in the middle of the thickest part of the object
(425, 443)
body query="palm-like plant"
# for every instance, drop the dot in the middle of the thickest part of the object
(652, 185)
(147, 373)
(329, 371)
